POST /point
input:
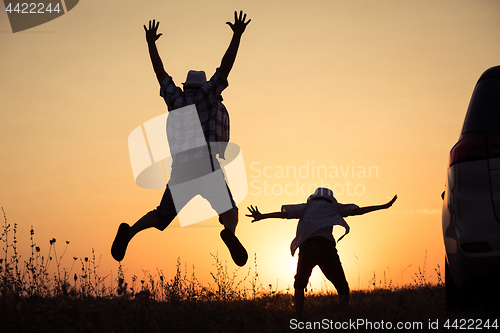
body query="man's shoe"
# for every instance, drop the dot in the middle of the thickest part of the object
(121, 242)
(238, 252)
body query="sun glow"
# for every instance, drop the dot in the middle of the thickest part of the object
(292, 264)
(350, 124)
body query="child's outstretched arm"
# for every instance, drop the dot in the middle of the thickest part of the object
(257, 216)
(364, 210)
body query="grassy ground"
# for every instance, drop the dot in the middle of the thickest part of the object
(38, 295)
(267, 313)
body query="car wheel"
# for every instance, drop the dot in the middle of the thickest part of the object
(452, 291)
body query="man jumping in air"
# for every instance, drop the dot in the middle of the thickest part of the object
(198, 161)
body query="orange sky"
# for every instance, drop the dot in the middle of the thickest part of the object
(328, 84)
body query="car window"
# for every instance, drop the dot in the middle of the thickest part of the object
(483, 114)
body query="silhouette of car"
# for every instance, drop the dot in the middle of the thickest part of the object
(471, 200)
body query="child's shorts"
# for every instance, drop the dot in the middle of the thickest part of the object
(322, 252)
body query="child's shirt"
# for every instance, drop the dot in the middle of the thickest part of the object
(316, 215)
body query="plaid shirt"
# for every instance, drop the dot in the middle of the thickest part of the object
(315, 215)
(213, 115)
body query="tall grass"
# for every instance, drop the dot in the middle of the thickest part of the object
(39, 294)
(43, 276)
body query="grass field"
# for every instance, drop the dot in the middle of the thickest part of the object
(38, 295)
(413, 308)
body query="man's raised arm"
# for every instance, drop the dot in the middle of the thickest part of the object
(151, 37)
(230, 56)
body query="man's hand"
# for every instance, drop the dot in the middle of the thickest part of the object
(228, 59)
(254, 212)
(239, 23)
(389, 204)
(151, 37)
(151, 34)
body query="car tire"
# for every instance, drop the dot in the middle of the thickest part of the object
(451, 289)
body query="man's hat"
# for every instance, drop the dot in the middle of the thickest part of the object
(322, 192)
(195, 79)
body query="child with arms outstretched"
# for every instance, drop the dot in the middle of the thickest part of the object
(315, 240)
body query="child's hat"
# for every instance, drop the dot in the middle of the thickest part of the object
(322, 192)
(195, 79)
